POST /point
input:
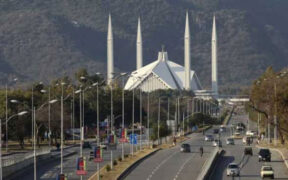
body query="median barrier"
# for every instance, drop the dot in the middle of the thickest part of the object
(209, 164)
(15, 170)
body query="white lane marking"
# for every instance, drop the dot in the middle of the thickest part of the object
(159, 165)
(182, 167)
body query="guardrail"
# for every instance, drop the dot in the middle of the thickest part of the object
(208, 164)
(14, 159)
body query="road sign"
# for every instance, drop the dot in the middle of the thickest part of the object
(81, 166)
(133, 139)
(98, 154)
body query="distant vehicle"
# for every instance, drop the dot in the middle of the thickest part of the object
(239, 128)
(87, 145)
(223, 126)
(222, 129)
(248, 151)
(103, 146)
(264, 155)
(185, 148)
(215, 131)
(241, 125)
(217, 143)
(91, 155)
(236, 134)
(230, 141)
(233, 170)
(247, 140)
(251, 133)
(209, 138)
(267, 171)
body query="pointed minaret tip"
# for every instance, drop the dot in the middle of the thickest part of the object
(139, 50)
(110, 34)
(139, 33)
(187, 28)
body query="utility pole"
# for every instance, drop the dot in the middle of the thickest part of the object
(140, 119)
(133, 119)
(34, 140)
(159, 121)
(275, 115)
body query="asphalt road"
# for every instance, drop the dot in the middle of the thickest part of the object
(173, 164)
(250, 167)
(50, 170)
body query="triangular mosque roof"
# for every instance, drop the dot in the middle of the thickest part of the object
(170, 73)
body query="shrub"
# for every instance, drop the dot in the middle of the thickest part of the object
(119, 158)
(115, 162)
(108, 168)
(126, 155)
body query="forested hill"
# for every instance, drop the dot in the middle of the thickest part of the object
(44, 39)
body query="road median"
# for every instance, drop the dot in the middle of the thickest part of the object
(124, 167)
(209, 165)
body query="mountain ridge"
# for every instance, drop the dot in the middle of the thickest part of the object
(44, 40)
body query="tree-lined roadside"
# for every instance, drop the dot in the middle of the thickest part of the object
(269, 103)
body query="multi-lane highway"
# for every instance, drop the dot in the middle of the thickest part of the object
(173, 164)
(49, 170)
(249, 165)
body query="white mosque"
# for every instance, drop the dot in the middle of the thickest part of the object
(164, 73)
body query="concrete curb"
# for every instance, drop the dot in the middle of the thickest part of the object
(134, 165)
(280, 152)
(208, 167)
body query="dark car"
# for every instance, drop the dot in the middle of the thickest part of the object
(248, 151)
(185, 148)
(264, 155)
(215, 131)
(87, 145)
(91, 155)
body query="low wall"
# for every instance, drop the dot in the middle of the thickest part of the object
(209, 165)
(20, 166)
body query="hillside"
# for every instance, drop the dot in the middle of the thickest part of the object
(41, 40)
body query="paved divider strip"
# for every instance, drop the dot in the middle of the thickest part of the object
(209, 164)
(134, 165)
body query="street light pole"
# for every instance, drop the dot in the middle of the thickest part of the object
(73, 115)
(62, 84)
(148, 117)
(123, 112)
(0, 149)
(159, 121)
(140, 119)
(98, 128)
(34, 140)
(49, 117)
(32, 115)
(133, 119)
(6, 125)
(275, 115)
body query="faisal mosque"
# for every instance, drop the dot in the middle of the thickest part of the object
(163, 73)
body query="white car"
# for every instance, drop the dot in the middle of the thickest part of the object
(233, 170)
(267, 171)
(251, 133)
(230, 141)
